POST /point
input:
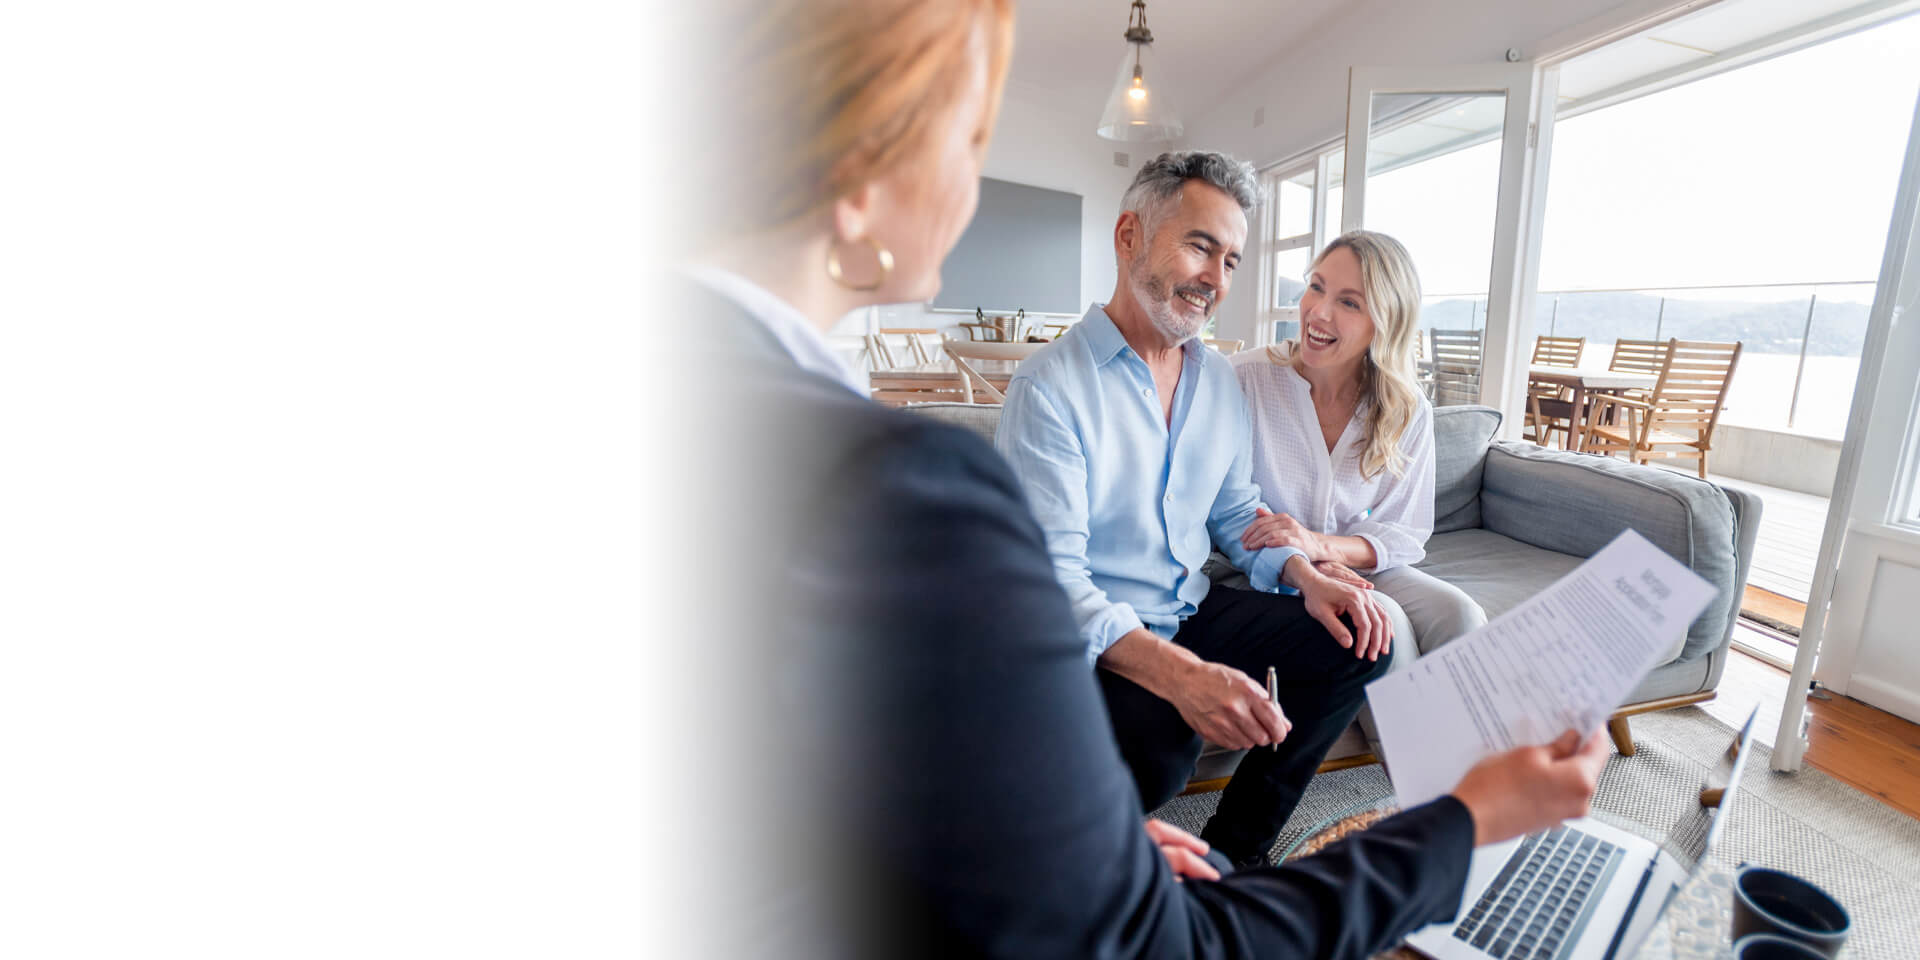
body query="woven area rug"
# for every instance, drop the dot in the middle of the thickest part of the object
(1863, 852)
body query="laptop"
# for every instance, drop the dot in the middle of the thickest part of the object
(1581, 891)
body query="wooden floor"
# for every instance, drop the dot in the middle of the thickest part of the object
(1870, 750)
(1783, 614)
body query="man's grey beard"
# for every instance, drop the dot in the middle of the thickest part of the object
(1157, 300)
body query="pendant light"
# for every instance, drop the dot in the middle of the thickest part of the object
(1137, 109)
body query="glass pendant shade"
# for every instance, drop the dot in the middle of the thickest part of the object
(1138, 107)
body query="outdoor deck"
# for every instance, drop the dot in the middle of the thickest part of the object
(1789, 545)
(1784, 555)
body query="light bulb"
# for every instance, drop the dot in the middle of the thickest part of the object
(1138, 93)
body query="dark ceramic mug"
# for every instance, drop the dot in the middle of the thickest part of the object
(1767, 946)
(1776, 902)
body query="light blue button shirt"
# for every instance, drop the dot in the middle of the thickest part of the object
(1131, 506)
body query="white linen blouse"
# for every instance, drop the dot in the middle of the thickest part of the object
(1326, 491)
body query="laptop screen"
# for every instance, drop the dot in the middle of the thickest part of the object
(1695, 835)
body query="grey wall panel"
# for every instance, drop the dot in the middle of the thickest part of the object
(1022, 251)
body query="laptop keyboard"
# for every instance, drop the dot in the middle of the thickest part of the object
(1533, 909)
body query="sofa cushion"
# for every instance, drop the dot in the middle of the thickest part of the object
(1574, 504)
(1460, 438)
(1498, 572)
(1501, 572)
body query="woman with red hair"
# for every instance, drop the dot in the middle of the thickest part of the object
(914, 758)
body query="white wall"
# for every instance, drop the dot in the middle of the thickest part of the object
(1039, 145)
(1304, 90)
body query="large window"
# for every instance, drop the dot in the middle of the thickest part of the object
(1292, 237)
(1752, 206)
(1303, 204)
(1746, 204)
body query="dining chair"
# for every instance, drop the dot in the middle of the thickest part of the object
(1550, 405)
(879, 347)
(1678, 416)
(1456, 367)
(1226, 347)
(963, 351)
(916, 347)
(878, 355)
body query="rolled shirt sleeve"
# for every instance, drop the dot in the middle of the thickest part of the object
(1051, 463)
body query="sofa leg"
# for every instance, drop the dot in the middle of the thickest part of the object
(1622, 736)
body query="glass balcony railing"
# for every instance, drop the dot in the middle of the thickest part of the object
(1800, 351)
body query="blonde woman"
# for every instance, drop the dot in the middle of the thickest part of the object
(1343, 440)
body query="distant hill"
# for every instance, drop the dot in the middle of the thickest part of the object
(1839, 329)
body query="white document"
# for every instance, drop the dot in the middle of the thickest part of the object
(1561, 661)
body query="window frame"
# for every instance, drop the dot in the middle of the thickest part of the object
(1318, 164)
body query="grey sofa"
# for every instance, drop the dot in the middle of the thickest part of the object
(1511, 518)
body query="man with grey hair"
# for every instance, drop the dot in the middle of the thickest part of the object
(1131, 441)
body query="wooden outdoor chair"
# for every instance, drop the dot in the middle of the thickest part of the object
(1456, 367)
(1678, 416)
(1549, 407)
(1422, 370)
(1638, 356)
(971, 378)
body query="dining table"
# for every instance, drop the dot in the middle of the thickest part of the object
(940, 380)
(1584, 384)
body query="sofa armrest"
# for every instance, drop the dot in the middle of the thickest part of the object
(1575, 504)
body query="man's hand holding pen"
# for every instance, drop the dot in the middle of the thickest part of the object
(1228, 709)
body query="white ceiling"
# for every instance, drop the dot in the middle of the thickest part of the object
(1433, 126)
(1066, 52)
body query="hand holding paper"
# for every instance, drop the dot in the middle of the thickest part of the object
(1561, 661)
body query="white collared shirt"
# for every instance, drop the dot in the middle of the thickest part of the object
(790, 328)
(1325, 490)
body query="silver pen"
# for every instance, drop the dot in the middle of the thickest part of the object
(1273, 694)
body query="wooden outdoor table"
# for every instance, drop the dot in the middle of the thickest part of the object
(1585, 382)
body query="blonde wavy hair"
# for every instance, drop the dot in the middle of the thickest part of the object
(1387, 384)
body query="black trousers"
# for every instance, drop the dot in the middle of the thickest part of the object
(1322, 686)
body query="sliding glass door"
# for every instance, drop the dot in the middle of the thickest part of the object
(1859, 637)
(1450, 161)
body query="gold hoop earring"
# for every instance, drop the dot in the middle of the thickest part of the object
(881, 253)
